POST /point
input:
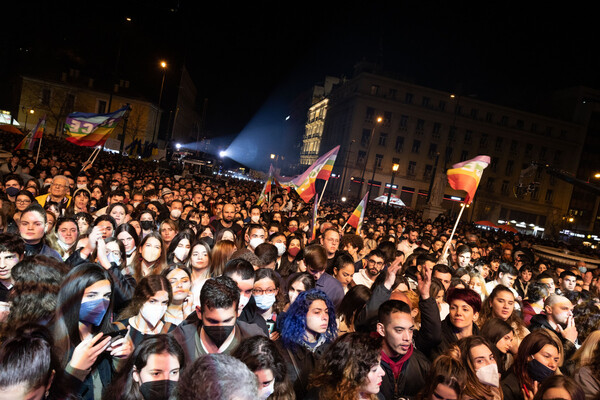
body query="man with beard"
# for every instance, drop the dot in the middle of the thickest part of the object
(367, 275)
(558, 318)
(408, 245)
(227, 220)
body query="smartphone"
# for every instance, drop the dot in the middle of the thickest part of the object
(115, 335)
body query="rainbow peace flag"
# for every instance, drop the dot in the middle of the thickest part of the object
(321, 169)
(467, 174)
(356, 219)
(267, 188)
(91, 130)
(28, 141)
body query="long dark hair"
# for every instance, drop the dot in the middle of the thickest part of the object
(353, 303)
(493, 330)
(258, 353)
(487, 312)
(66, 324)
(563, 382)
(127, 227)
(267, 273)
(147, 287)
(533, 343)
(123, 386)
(184, 234)
(474, 387)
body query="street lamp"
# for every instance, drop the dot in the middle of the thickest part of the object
(163, 65)
(346, 166)
(394, 170)
(362, 176)
(30, 111)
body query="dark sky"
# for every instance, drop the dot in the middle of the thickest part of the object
(246, 55)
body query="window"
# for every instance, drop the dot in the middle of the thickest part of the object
(403, 122)
(494, 164)
(416, 146)
(387, 118)
(101, 107)
(549, 131)
(557, 157)
(364, 139)
(448, 152)
(435, 132)
(378, 160)
(504, 120)
(432, 150)
(468, 136)
(474, 113)
(520, 124)
(392, 94)
(69, 102)
(464, 155)
(412, 168)
(374, 90)
(483, 140)
(528, 149)
(549, 196)
(399, 143)
(563, 133)
(535, 193)
(534, 128)
(543, 151)
(489, 185)
(361, 158)
(46, 93)
(489, 117)
(499, 144)
(428, 171)
(382, 138)
(370, 114)
(420, 125)
(510, 164)
(452, 134)
(504, 188)
(513, 146)
(442, 105)
(426, 101)
(408, 99)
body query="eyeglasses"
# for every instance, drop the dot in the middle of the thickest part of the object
(27, 201)
(260, 292)
(58, 185)
(372, 262)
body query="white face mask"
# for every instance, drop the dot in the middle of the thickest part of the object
(254, 242)
(489, 375)
(255, 219)
(280, 249)
(81, 185)
(266, 391)
(176, 213)
(150, 254)
(292, 296)
(153, 313)
(243, 301)
(181, 253)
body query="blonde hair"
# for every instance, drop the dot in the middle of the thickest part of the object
(584, 355)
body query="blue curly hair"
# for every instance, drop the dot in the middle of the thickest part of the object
(293, 327)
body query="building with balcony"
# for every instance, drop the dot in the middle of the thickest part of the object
(420, 127)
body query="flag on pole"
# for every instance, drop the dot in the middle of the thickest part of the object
(91, 130)
(28, 141)
(356, 219)
(320, 169)
(467, 174)
(267, 188)
(314, 221)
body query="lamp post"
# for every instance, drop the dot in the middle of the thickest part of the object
(394, 170)
(362, 176)
(30, 111)
(346, 166)
(163, 65)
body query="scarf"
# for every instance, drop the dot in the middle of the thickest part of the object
(396, 366)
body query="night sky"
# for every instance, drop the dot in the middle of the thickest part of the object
(253, 59)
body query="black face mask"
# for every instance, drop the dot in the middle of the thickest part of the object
(538, 371)
(157, 390)
(218, 334)
(147, 225)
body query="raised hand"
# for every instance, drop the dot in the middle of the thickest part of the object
(86, 352)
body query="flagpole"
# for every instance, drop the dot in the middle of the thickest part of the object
(38, 152)
(322, 193)
(454, 230)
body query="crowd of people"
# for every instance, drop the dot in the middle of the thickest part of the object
(120, 281)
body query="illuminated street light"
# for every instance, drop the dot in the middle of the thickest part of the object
(33, 112)
(272, 156)
(222, 153)
(394, 170)
(362, 177)
(163, 65)
(178, 145)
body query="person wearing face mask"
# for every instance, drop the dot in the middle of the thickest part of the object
(179, 249)
(83, 313)
(483, 379)
(538, 359)
(214, 327)
(151, 259)
(265, 293)
(558, 318)
(263, 358)
(288, 264)
(175, 210)
(278, 240)
(151, 373)
(145, 313)
(254, 216)
(254, 236)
